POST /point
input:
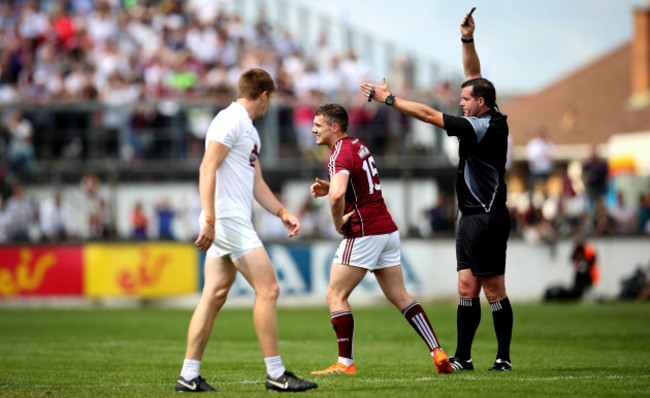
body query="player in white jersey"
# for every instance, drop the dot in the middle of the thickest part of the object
(230, 178)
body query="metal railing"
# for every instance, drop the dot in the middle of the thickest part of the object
(148, 141)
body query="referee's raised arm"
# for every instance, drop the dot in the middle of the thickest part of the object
(471, 63)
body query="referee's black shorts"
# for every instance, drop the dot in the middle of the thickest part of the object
(481, 243)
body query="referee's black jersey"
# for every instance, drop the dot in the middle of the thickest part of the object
(480, 183)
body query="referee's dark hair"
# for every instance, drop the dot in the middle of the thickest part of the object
(482, 88)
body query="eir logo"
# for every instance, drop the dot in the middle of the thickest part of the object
(254, 155)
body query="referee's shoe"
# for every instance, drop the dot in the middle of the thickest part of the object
(461, 364)
(501, 365)
(289, 382)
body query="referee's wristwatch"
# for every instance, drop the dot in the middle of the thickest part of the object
(390, 100)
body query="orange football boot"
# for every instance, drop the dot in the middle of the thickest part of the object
(441, 361)
(338, 368)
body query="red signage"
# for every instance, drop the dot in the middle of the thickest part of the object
(41, 270)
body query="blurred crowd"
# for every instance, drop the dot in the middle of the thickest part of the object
(123, 51)
(161, 69)
(84, 215)
(560, 199)
(586, 198)
(90, 211)
(135, 80)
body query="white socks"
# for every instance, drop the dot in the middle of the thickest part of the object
(346, 361)
(191, 369)
(274, 366)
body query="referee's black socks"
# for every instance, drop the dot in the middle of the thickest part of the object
(467, 321)
(502, 317)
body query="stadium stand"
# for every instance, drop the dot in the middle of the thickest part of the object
(122, 91)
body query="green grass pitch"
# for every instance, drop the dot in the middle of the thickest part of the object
(558, 350)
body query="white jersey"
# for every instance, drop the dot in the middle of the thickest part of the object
(234, 128)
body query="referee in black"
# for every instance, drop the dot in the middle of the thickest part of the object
(484, 226)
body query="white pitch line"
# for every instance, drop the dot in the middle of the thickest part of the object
(522, 379)
(334, 380)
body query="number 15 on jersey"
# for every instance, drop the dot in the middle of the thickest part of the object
(371, 171)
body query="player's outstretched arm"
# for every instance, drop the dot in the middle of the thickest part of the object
(471, 62)
(417, 110)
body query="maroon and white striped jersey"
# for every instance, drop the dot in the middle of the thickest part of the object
(350, 155)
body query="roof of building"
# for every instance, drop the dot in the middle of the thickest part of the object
(585, 107)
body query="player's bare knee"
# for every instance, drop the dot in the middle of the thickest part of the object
(270, 292)
(219, 297)
(331, 297)
(400, 301)
(335, 297)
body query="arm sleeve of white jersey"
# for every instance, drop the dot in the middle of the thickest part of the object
(222, 131)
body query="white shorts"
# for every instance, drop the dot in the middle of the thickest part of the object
(233, 237)
(371, 252)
